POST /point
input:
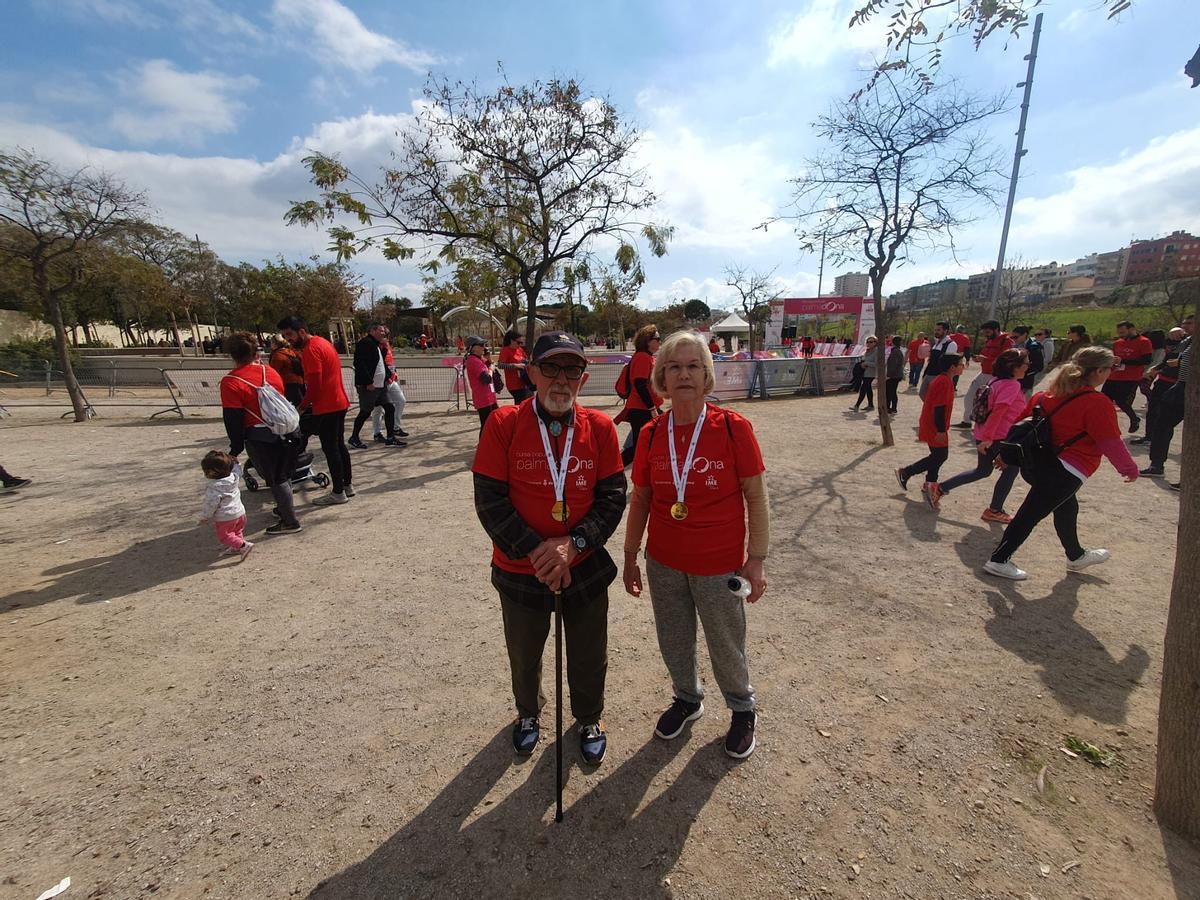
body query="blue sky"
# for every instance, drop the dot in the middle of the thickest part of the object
(208, 105)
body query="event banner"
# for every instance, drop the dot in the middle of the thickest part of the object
(861, 308)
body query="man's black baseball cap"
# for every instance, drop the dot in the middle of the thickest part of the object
(557, 343)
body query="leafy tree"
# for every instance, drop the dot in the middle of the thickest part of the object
(528, 177)
(54, 219)
(696, 311)
(756, 291)
(905, 163)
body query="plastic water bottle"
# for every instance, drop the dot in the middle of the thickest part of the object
(739, 587)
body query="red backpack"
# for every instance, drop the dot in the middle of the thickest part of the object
(623, 386)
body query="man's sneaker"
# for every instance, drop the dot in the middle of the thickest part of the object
(1153, 472)
(739, 743)
(395, 442)
(902, 479)
(525, 735)
(246, 548)
(933, 495)
(990, 515)
(1134, 426)
(678, 714)
(16, 483)
(356, 443)
(331, 500)
(400, 432)
(377, 438)
(963, 425)
(1005, 570)
(284, 528)
(1089, 558)
(349, 491)
(593, 743)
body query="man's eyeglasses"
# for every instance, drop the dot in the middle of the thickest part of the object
(553, 370)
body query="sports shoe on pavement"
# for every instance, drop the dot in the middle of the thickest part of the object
(900, 477)
(933, 495)
(1144, 439)
(1005, 570)
(400, 432)
(395, 442)
(678, 714)
(15, 483)
(356, 443)
(284, 528)
(349, 491)
(990, 515)
(963, 425)
(593, 743)
(739, 742)
(525, 735)
(331, 500)
(1153, 472)
(1176, 485)
(246, 548)
(1089, 558)
(377, 437)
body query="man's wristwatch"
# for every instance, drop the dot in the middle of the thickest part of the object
(580, 542)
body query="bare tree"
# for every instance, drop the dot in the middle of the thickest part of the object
(905, 165)
(529, 177)
(756, 291)
(1016, 283)
(55, 218)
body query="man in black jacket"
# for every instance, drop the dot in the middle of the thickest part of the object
(371, 374)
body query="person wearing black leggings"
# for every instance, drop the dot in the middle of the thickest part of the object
(1083, 427)
(934, 430)
(868, 377)
(895, 373)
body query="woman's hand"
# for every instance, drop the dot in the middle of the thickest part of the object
(632, 576)
(753, 572)
(985, 446)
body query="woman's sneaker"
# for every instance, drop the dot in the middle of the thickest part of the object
(678, 714)
(739, 743)
(1005, 570)
(902, 479)
(933, 495)
(990, 515)
(1089, 558)
(356, 443)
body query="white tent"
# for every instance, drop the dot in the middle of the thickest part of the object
(732, 324)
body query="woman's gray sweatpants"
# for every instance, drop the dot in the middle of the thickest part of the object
(677, 599)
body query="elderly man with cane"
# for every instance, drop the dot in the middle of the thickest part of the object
(550, 491)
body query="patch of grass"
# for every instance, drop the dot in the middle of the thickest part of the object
(1097, 756)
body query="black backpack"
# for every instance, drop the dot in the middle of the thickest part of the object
(1028, 444)
(980, 409)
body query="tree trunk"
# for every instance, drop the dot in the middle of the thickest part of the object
(531, 295)
(885, 420)
(60, 343)
(1177, 787)
(175, 329)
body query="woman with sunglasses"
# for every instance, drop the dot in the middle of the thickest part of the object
(868, 376)
(643, 404)
(480, 375)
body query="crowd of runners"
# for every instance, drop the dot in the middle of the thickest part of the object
(550, 482)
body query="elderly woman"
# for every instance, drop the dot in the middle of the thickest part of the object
(698, 476)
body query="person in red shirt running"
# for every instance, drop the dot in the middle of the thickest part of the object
(549, 492)
(698, 481)
(995, 342)
(1083, 425)
(274, 457)
(934, 430)
(325, 396)
(1133, 352)
(642, 404)
(512, 363)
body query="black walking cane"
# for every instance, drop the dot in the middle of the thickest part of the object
(558, 653)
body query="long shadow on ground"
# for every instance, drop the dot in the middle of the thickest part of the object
(605, 846)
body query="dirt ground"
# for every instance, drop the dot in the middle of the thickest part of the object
(331, 717)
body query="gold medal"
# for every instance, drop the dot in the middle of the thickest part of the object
(560, 513)
(679, 511)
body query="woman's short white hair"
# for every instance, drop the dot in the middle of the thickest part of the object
(658, 378)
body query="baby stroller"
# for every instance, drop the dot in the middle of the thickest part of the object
(302, 473)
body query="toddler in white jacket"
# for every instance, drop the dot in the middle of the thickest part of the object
(223, 501)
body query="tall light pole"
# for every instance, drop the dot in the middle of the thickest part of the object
(1016, 169)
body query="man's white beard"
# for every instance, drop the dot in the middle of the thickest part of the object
(556, 406)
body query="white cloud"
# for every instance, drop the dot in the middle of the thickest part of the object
(338, 37)
(117, 12)
(1105, 206)
(822, 33)
(718, 295)
(170, 105)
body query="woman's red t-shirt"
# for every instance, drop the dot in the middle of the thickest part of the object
(1092, 415)
(641, 366)
(712, 539)
(512, 377)
(236, 395)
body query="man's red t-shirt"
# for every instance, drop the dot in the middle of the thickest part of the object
(323, 388)
(236, 395)
(1131, 348)
(510, 450)
(991, 350)
(1092, 414)
(512, 377)
(712, 539)
(641, 366)
(962, 341)
(913, 346)
(941, 393)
